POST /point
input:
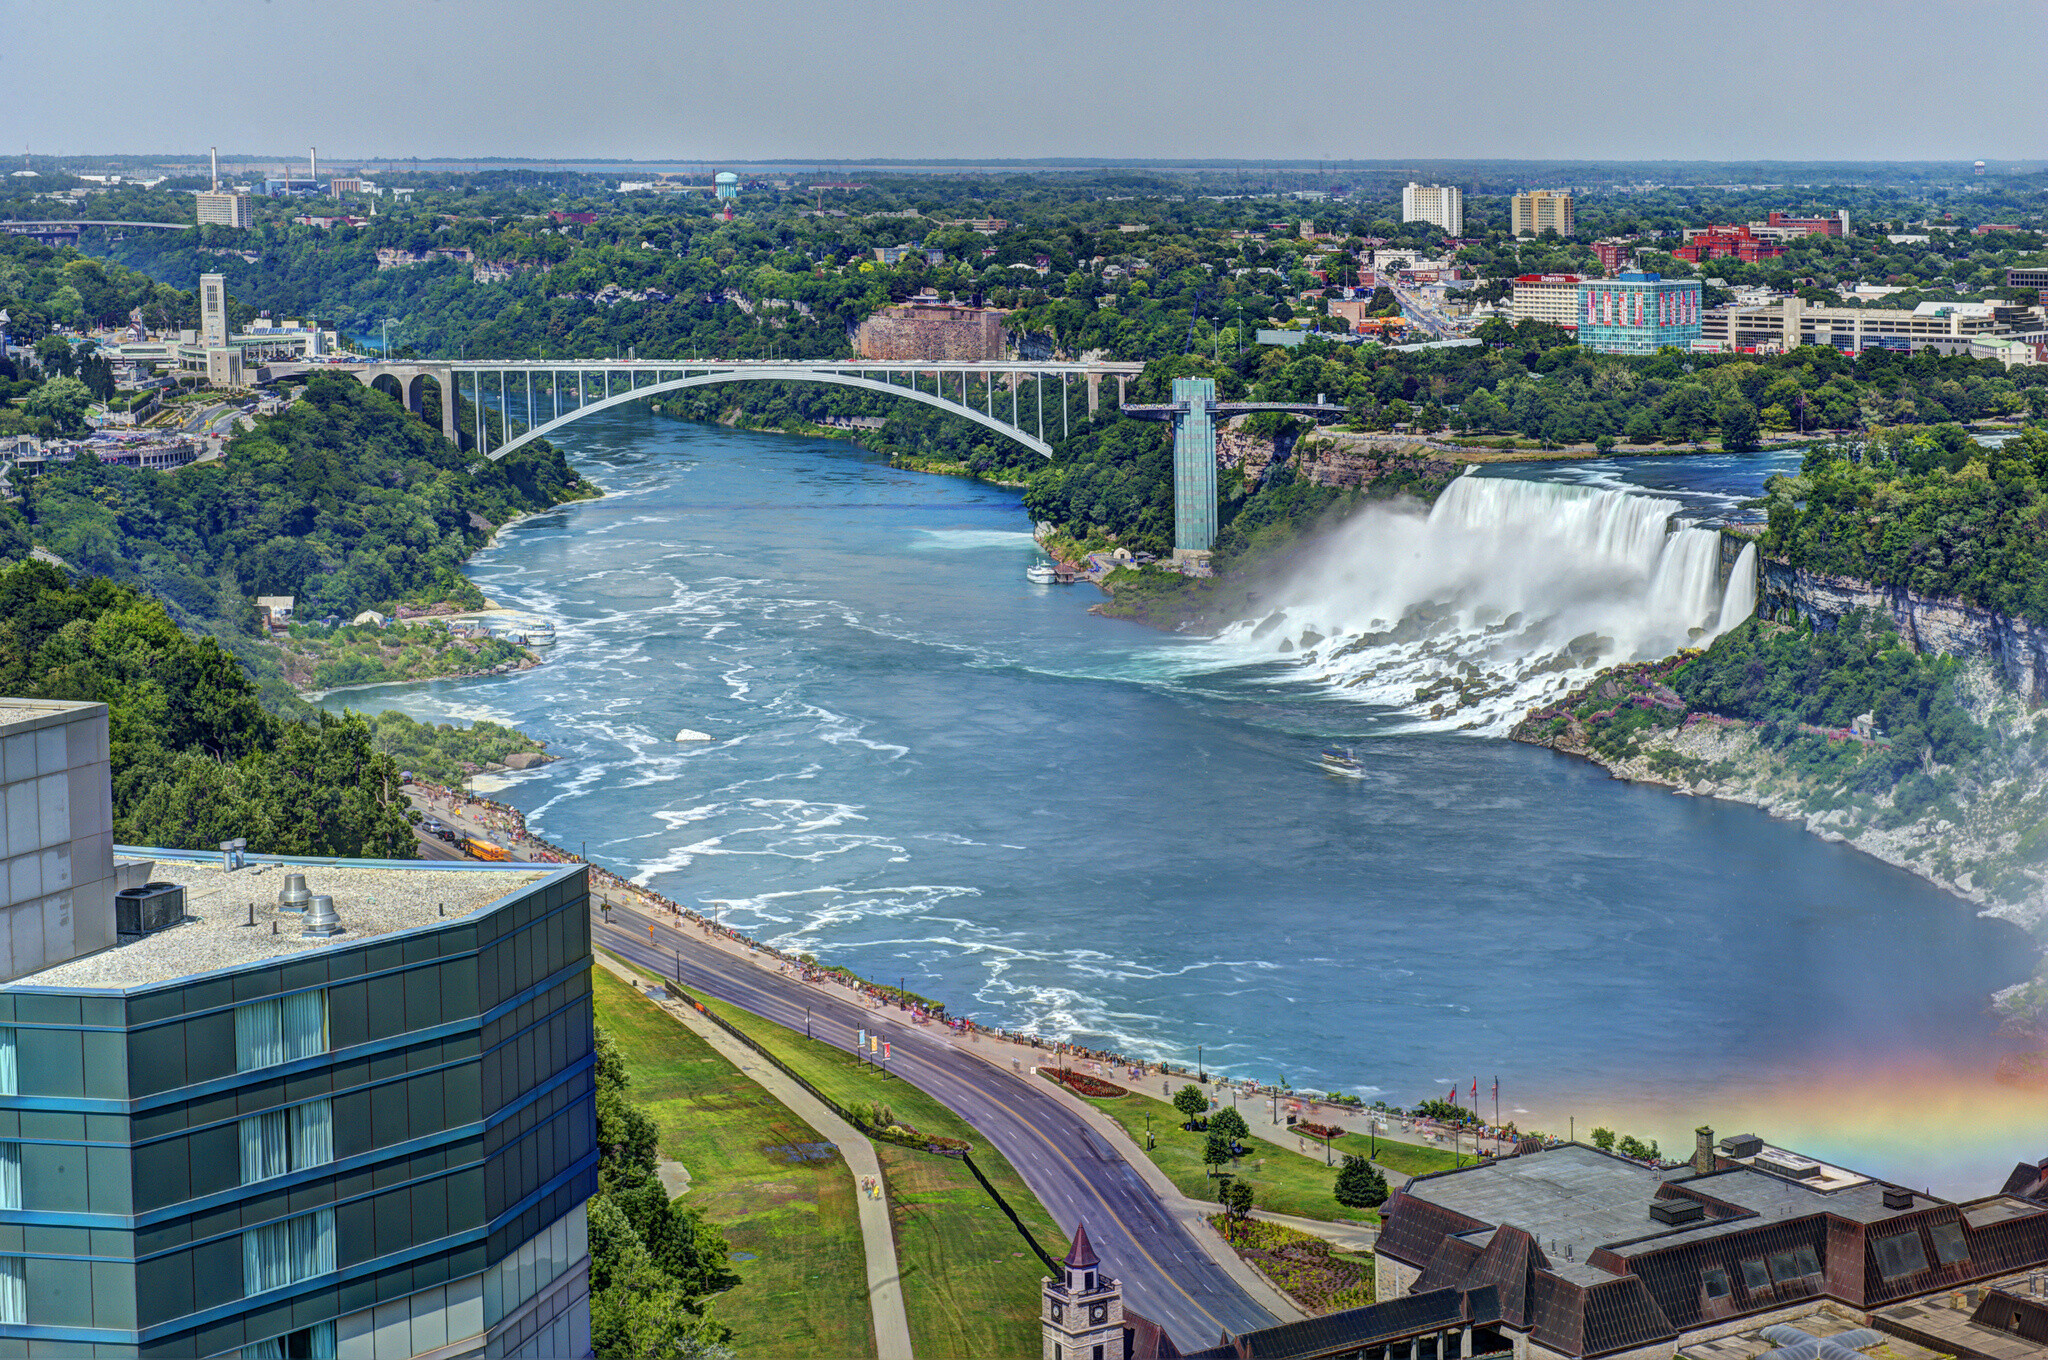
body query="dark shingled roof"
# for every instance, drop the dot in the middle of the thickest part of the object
(1082, 1256)
(1356, 1327)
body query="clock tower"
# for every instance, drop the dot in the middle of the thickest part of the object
(1083, 1309)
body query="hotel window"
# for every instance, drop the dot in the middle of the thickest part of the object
(280, 1029)
(279, 1141)
(13, 1289)
(1791, 1265)
(8, 1086)
(1716, 1281)
(308, 1343)
(1900, 1255)
(278, 1254)
(1949, 1246)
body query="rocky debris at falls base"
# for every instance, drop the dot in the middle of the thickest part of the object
(1986, 843)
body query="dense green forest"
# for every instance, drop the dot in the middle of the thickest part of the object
(343, 501)
(196, 758)
(1931, 511)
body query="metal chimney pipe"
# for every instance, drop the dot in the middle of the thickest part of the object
(313, 166)
(293, 896)
(214, 151)
(321, 919)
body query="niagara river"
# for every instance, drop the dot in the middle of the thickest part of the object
(927, 769)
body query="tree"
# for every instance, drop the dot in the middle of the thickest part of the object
(1360, 1184)
(1215, 1150)
(1237, 1202)
(59, 405)
(1738, 422)
(1603, 1139)
(1191, 1101)
(1228, 1122)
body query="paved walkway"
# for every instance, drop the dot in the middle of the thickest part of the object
(885, 1285)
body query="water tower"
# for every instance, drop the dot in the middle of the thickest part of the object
(725, 184)
(1979, 167)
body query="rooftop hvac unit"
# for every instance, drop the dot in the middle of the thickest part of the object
(1895, 1198)
(145, 910)
(321, 918)
(1742, 1145)
(293, 896)
(1677, 1211)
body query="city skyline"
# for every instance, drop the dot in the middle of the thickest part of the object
(695, 82)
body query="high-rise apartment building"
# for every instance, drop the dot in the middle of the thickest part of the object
(1638, 313)
(224, 208)
(1541, 210)
(1442, 205)
(357, 1122)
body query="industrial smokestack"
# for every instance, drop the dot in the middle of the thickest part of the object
(214, 151)
(313, 166)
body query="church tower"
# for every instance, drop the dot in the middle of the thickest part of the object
(1083, 1313)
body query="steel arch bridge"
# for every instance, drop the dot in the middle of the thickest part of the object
(550, 394)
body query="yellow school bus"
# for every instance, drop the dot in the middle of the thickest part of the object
(478, 848)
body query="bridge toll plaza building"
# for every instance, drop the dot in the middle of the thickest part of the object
(362, 1126)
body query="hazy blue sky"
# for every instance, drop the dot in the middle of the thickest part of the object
(708, 80)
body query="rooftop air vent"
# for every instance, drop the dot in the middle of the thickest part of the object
(150, 908)
(293, 896)
(1677, 1211)
(1742, 1145)
(321, 918)
(1895, 1198)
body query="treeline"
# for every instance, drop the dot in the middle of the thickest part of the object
(443, 752)
(653, 1265)
(1929, 511)
(196, 759)
(343, 501)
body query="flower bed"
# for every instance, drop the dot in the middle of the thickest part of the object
(1299, 1263)
(1323, 1131)
(1093, 1087)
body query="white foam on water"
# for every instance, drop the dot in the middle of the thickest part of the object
(1504, 596)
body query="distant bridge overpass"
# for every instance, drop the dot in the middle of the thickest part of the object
(59, 228)
(546, 395)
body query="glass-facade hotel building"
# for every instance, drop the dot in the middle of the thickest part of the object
(234, 1132)
(1638, 313)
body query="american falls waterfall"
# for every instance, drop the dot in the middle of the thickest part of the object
(1505, 595)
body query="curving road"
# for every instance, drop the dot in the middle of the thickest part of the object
(1076, 1174)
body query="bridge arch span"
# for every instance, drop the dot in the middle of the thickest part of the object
(1036, 445)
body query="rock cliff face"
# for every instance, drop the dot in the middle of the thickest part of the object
(1951, 627)
(1325, 461)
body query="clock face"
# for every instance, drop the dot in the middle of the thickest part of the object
(1058, 1313)
(1098, 1312)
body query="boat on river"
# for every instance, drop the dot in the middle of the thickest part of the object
(1345, 761)
(1040, 574)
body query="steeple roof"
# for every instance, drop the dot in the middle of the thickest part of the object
(1082, 1255)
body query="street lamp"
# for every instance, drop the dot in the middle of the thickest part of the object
(387, 338)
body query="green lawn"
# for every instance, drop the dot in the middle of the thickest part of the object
(1410, 1159)
(805, 1292)
(971, 1284)
(1283, 1182)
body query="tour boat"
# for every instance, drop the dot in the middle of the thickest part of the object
(1344, 760)
(1040, 573)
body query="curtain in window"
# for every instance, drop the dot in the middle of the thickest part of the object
(10, 1175)
(264, 1149)
(312, 1127)
(13, 1289)
(272, 1349)
(257, 1040)
(7, 1068)
(321, 1342)
(305, 1025)
(278, 1254)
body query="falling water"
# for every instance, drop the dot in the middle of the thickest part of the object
(1738, 602)
(1505, 595)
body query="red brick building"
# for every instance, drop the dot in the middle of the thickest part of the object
(1723, 243)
